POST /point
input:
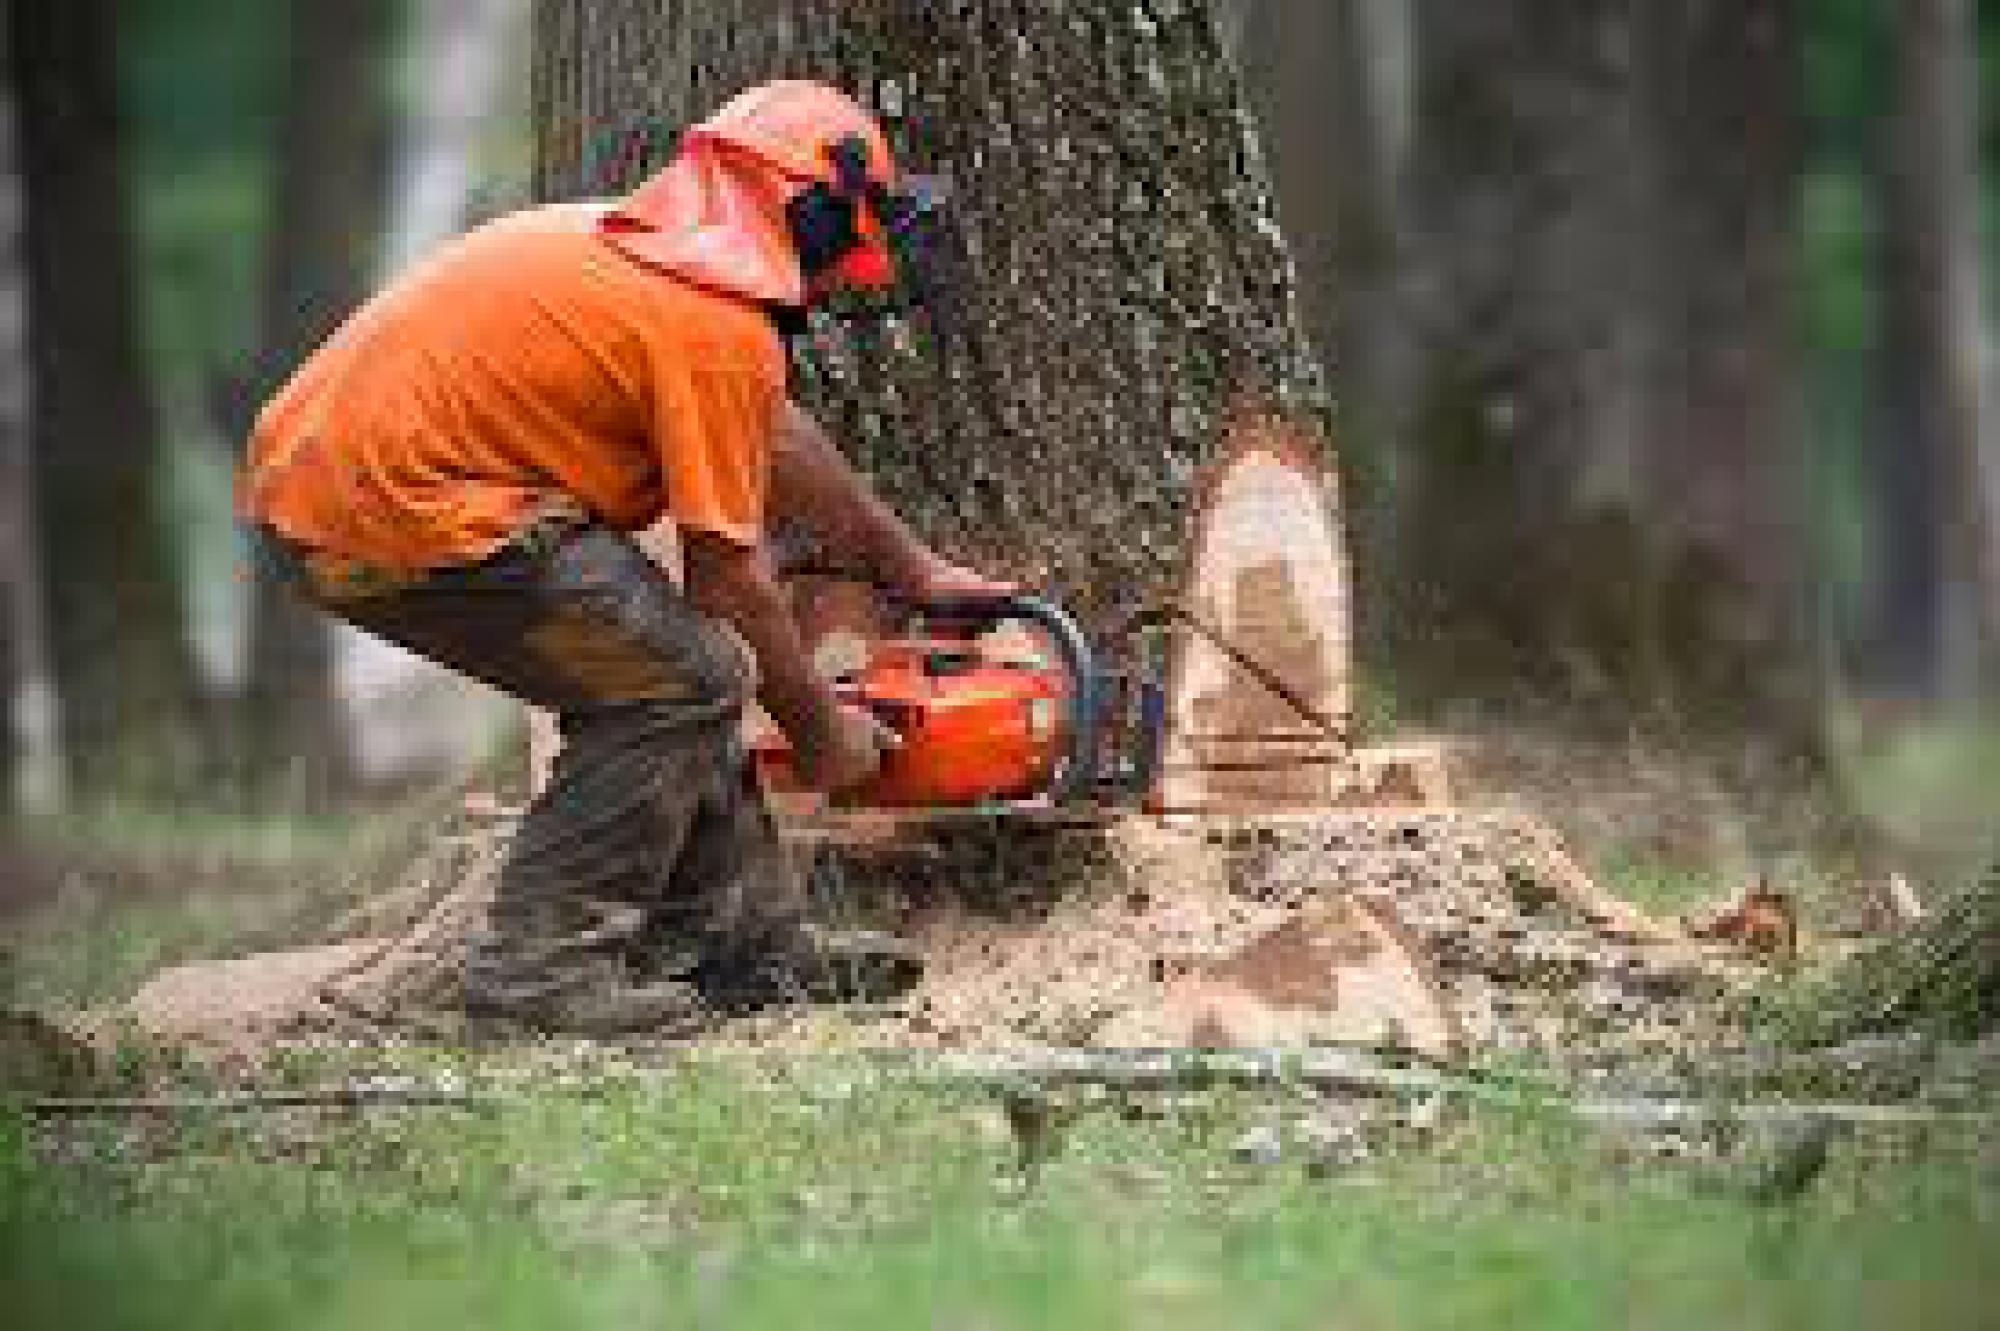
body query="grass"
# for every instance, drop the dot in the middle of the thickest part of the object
(124, 889)
(820, 1192)
(748, 1195)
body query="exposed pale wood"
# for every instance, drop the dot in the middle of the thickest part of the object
(1343, 972)
(1267, 575)
(1903, 898)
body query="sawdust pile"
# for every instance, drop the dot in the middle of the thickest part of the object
(1448, 932)
(1443, 931)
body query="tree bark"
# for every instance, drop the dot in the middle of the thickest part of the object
(1939, 622)
(1130, 283)
(116, 631)
(332, 178)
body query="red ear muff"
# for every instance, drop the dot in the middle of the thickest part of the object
(865, 268)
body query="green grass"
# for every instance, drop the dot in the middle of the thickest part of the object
(128, 888)
(814, 1194)
(821, 1193)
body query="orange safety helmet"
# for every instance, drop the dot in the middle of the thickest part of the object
(786, 195)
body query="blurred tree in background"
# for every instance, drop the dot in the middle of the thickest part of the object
(1622, 300)
(110, 595)
(329, 189)
(1939, 472)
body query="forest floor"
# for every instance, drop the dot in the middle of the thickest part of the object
(604, 1186)
(824, 1192)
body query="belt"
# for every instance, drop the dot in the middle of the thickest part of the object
(326, 575)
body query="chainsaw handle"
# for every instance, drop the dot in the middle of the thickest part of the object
(1078, 776)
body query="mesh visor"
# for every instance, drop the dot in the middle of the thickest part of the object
(928, 245)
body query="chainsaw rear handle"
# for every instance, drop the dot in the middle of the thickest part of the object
(1077, 778)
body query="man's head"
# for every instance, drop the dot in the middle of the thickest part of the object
(787, 195)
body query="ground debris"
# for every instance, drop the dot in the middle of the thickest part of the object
(1451, 932)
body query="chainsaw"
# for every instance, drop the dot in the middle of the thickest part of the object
(997, 706)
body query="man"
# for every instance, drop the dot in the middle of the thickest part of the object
(459, 468)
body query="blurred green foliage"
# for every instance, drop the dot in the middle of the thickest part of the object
(204, 87)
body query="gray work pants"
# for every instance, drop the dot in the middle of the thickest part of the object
(651, 847)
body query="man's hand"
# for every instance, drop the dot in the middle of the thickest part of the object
(935, 579)
(848, 754)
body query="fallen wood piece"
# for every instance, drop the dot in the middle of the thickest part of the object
(1563, 960)
(1671, 1113)
(1759, 919)
(340, 1097)
(1343, 972)
(1563, 876)
(1142, 1069)
(1903, 899)
(1355, 1071)
(1905, 1053)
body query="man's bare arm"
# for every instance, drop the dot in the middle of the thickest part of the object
(813, 484)
(834, 746)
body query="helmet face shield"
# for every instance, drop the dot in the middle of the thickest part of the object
(869, 249)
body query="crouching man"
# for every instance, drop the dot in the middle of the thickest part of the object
(459, 470)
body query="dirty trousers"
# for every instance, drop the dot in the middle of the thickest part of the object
(651, 847)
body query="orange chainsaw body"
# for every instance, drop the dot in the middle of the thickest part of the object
(976, 724)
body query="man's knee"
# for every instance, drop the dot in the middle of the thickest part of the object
(732, 677)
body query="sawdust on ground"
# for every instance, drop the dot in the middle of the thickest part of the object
(1093, 962)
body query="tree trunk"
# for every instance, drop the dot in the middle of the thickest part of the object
(34, 779)
(124, 665)
(1597, 275)
(1722, 140)
(1130, 289)
(318, 261)
(1939, 623)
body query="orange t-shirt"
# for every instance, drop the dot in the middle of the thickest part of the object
(526, 367)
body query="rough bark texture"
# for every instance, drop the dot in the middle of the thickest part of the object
(327, 214)
(1130, 280)
(116, 628)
